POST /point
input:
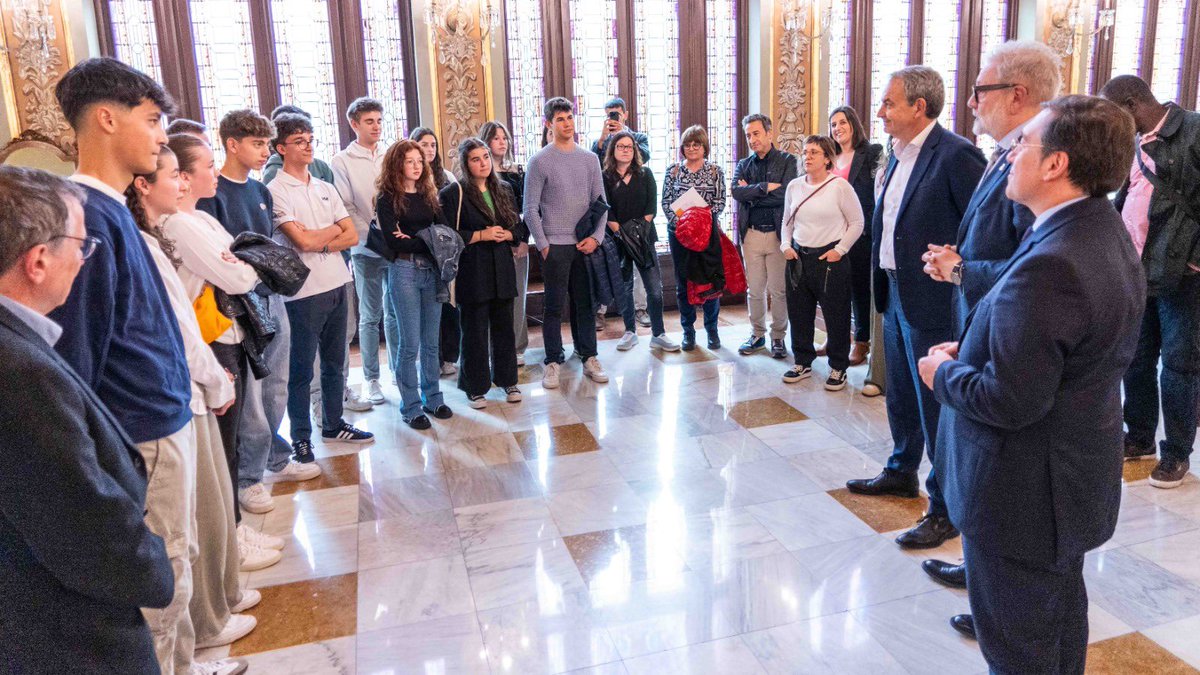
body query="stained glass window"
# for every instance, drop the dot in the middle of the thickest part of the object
(1127, 37)
(135, 40)
(656, 33)
(995, 23)
(941, 50)
(525, 77)
(224, 61)
(593, 63)
(305, 58)
(1168, 49)
(723, 123)
(889, 51)
(383, 46)
(839, 56)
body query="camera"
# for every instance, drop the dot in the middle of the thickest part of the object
(614, 115)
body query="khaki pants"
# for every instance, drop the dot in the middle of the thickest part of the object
(215, 568)
(171, 514)
(765, 270)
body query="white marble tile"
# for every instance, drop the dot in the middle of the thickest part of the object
(830, 469)
(479, 451)
(413, 592)
(719, 657)
(1182, 501)
(1142, 520)
(332, 657)
(1102, 625)
(530, 413)
(810, 520)
(450, 645)
(864, 426)
(916, 632)
(764, 481)
(660, 614)
(1180, 638)
(382, 461)
(603, 507)
(794, 438)
(695, 490)
(407, 538)
(658, 461)
(573, 472)
(517, 521)
(860, 572)
(530, 637)
(739, 446)
(470, 423)
(614, 668)
(1137, 591)
(720, 537)
(309, 554)
(541, 571)
(828, 644)
(313, 510)
(1178, 554)
(760, 593)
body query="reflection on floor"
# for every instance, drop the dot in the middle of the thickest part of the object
(687, 517)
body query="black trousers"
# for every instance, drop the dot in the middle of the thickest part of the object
(860, 285)
(450, 335)
(487, 331)
(565, 272)
(819, 283)
(1029, 619)
(233, 358)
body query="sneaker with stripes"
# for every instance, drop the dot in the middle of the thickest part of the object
(348, 434)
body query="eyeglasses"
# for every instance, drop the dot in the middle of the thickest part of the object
(87, 248)
(1020, 144)
(302, 144)
(624, 146)
(692, 146)
(984, 88)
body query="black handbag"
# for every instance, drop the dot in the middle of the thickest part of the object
(377, 244)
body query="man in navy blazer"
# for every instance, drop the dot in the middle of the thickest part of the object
(1030, 441)
(76, 558)
(926, 190)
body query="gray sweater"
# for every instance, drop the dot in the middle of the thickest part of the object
(559, 189)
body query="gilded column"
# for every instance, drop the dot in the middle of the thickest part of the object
(36, 50)
(795, 78)
(461, 88)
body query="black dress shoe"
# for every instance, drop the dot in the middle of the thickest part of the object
(964, 624)
(714, 341)
(930, 532)
(947, 574)
(689, 343)
(888, 482)
(442, 412)
(420, 423)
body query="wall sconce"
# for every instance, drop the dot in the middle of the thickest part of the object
(795, 15)
(1073, 20)
(33, 25)
(454, 15)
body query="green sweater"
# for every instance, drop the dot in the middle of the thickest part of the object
(319, 169)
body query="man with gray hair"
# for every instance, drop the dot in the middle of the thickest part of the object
(72, 483)
(926, 190)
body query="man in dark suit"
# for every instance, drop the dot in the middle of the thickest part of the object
(926, 189)
(1030, 442)
(76, 558)
(1016, 79)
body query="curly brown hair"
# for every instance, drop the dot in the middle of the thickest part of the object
(391, 177)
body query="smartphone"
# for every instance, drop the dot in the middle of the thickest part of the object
(614, 115)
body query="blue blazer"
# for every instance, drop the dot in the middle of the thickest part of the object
(76, 559)
(989, 234)
(1029, 441)
(946, 173)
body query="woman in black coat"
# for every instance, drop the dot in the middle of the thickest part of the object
(856, 161)
(483, 210)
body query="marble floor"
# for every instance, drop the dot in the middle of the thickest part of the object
(687, 517)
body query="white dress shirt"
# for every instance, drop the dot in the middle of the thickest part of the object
(906, 158)
(1051, 211)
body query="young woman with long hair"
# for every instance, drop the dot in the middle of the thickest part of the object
(499, 141)
(450, 333)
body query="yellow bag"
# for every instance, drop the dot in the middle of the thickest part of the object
(213, 323)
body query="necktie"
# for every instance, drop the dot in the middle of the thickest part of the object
(997, 155)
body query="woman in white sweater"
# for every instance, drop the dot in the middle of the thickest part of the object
(822, 220)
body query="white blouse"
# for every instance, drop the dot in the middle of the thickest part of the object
(832, 215)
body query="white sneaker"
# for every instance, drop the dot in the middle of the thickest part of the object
(352, 402)
(375, 392)
(222, 667)
(256, 499)
(448, 368)
(251, 536)
(257, 558)
(627, 341)
(594, 370)
(295, 471)
(250, 599)
(477, 402)
(520, 359)
(512, 394)
(238, 627)
(664, 343)
(550, 376)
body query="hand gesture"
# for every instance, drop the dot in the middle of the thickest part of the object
(587, 246)
(789, 253)
(831, 255)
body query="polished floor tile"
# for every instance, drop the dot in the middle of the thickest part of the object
(484, 485)
(1142, 520)
(541, 571)
(402, 496)
(865, 571)
(413, 592)
(335, 472)
(828, 644)
(603, 507)
(407, 538)
(313, 511)
(652, 616)
(884, 513)
(310, 554)
(719, 657)
(794, 438)
(916, 631)
(531, 637)
(331, 657)
(505, 523)
(299, 613)
(545, 441)
(386, 462)
(574, 472)
(450, 644)
(1137, 591)
(1180, 638)
(1134, 653)
(763, 412)
(811, 520)
(830, 469)
(738, 446)
(481, 451)
(1135, 472)
(627, 553)
(764, 481)
(718, 538)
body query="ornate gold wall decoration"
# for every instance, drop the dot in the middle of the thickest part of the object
(793, 76)
(37, 53)
(460, 77)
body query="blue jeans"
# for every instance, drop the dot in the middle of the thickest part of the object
(318, 324)
(687, 311)
(652, 280)
(260, 447)
(912, 410)
(1170, 330)
(370, 280)
(413, 294)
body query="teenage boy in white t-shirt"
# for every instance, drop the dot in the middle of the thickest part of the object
(311, 218)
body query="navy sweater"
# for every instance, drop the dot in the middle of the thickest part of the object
(240, 207)
(119, 331)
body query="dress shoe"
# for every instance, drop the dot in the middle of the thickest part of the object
(930, 532)
(689, 342)
(888, 482)
(858, 354)
(964, 624)
(714, 341)
(954, 576)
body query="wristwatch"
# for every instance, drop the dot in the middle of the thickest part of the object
(956, 274)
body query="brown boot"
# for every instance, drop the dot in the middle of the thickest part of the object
(858, 354)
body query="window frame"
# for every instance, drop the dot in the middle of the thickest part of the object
(1189, 72)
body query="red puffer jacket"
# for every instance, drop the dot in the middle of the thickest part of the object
(735, 275)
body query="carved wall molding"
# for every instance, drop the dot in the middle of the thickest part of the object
(460, 78)
(793, 76)
(37, 53)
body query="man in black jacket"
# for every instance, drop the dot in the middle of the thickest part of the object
(76, 558)
(1160, 204)
(759, 183)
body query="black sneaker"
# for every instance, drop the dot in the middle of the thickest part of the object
(714, 340)
(348, 434)
(442, 412)
(751, 345)
(689, 342)
(302, 452)
(1169, 473)
(778, 351)
(796, 374)
(836, 381)
(1134, 450)
(420, 423)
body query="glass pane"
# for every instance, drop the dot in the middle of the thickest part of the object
(135, 40)
(593, 63)
(995, 26)
(656, 32)
(889, 52)
(1127, 37)
(723, 123)
(839, 59)
(1168, 49)
(384, 50)
(525, 72)
(941, 50)
(305, 58)
(224, 61)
